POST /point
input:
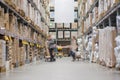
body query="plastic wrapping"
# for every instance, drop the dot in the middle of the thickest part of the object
(117, 51)
(107, 45)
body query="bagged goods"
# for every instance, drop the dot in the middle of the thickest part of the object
(106, 46)
(117, 52)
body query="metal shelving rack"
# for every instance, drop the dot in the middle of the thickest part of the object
(22, 19)
(52, 9)
(108, 19)
(18, 45)
(53, 29)
(42, 18)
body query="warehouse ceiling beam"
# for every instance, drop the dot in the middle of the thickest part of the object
(54, 29)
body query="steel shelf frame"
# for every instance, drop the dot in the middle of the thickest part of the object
(63, 29)
(3, 32)
(106, 16)
(35, 6)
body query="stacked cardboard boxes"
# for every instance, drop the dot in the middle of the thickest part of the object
(16, 49)
(98, 11)
(2, 55)
(113, 2)
(28, 11)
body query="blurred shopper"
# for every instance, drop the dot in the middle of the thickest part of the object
(56, 51)
(51, 47)
(73, 47)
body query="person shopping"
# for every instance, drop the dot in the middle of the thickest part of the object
(51, 46)
(73, 47)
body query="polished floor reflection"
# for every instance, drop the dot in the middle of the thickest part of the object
(62, 69)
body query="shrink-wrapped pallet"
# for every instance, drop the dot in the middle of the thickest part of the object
(106, 46)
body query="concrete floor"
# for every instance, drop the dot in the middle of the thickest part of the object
(62, 69)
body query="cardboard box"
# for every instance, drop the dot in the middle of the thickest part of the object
(6, 21)
(2, 53)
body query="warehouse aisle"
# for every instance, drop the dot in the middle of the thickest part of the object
(62, 69)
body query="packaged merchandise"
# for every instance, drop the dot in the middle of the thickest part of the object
(101, 8)
(118, 24)
(107, 45)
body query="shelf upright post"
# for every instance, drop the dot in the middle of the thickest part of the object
(103, 24)
(7, 10)
(109, 18)
(118, 12)
(56, 32)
